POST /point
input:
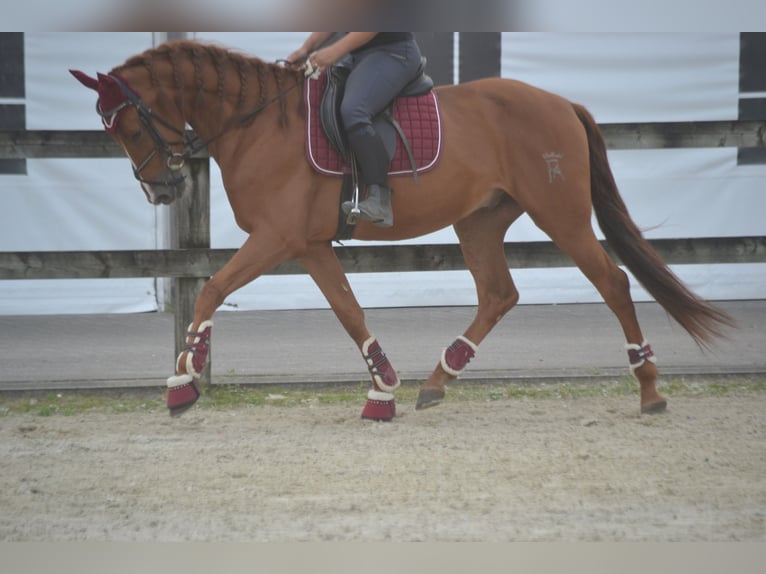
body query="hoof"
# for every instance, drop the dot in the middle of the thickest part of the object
(654, 407)
(429, 398)
(379, 407)
(182, 398)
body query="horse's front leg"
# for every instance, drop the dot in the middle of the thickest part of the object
(322, 264)
(257, 255)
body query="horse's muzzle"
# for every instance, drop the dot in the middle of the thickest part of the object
(160, 199)
(166, 190)
(163, 194)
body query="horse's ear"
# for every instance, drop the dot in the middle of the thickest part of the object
(85, 79)
(109, 91)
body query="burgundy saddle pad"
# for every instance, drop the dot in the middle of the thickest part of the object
(418, 116)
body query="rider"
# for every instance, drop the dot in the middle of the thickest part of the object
(382, 63)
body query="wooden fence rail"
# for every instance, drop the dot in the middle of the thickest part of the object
(94, 144)
(202, 263)
(190, 261)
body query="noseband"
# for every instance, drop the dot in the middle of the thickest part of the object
(175, 161)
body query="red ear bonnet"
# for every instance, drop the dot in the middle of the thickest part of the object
(85, 79)
(110, 96)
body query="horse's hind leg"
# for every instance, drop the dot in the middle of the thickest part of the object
(481, 240)
(612, 283)
(322, 264)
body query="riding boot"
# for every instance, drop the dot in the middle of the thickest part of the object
(376, 207)
(373, 160)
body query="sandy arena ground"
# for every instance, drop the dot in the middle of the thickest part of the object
(496, 470)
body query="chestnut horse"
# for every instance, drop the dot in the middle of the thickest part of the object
(509, 149)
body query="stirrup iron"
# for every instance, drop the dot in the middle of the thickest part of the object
(353, 216)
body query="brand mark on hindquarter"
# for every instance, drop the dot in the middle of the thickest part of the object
(552, 162)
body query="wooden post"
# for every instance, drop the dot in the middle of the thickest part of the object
(190, 221)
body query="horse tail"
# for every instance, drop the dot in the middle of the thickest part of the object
(701, 320)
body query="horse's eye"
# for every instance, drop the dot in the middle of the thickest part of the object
(135, 136)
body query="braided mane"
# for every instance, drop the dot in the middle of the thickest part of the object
(252, 73)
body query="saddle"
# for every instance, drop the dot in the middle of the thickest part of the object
(329, 109)
(413, 119)
(410, 127)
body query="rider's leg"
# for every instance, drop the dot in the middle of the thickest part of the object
(373, 161)
(377, 76)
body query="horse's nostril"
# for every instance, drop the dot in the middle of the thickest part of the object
(160, 198)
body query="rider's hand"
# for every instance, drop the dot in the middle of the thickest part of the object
(298, 57)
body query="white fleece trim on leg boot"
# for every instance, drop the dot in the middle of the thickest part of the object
(179, 381)
(189, 356)
(634, 347)
(378, 379)
(366, 345)
(449, 370)
(374, 395)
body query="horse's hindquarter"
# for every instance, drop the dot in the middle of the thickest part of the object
(499, 135)
(526, 127)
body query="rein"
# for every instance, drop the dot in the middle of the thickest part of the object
(191, 143)
(201, 144)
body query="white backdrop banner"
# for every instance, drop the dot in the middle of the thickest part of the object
(74, 204)
(97, 205)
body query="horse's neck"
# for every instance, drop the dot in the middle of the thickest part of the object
(216, 115)
(209, 118)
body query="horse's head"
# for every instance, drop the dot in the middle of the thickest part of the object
(154, 144)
